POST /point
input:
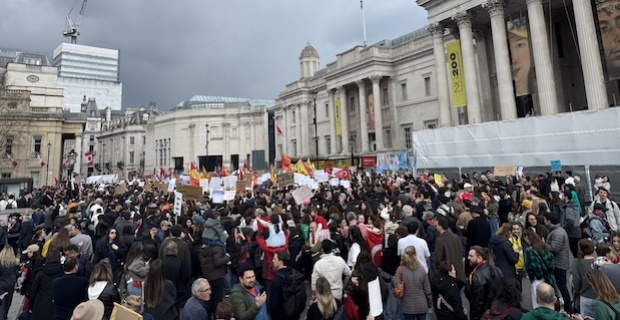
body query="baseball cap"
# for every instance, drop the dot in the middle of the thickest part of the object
(164, 223)
(601, 207)
(467, 185)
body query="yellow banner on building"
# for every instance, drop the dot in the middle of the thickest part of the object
(337, 113)
(455, 67)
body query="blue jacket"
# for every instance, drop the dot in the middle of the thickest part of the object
(195, 309)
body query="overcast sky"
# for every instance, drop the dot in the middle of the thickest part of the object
(173, 50)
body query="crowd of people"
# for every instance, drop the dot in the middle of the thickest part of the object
(390, 246)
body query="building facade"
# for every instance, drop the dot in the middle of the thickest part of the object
(88, 71)
(210, 131)
(476, 61)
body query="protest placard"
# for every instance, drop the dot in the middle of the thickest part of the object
(178, 203)
(241, 185)
(504, 171)
(217, 196)
(190, 192)
(286, 179)
(302, 194)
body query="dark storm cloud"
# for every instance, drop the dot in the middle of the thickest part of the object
(172, 50)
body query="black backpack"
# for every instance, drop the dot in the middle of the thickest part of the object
(10, 204)
(294, 293)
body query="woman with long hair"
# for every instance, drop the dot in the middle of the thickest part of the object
(136, 269)
(539, 262)
(111, 248)
(615, 247)
(579, 270)
(446, 289)
(505, 256)
(507, 301)
(324, 305)
(357, 244)
(417, 300)
(607, 303)
(41, 303)
(101, 286)
(531, 222)
(8, 277)
(159, 294)
(61, 241)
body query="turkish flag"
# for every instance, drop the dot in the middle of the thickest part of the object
(375, 243)
(343, 174)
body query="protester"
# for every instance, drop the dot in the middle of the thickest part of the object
(159, 294)
(102, 287)
(69, 290)
(196, 305)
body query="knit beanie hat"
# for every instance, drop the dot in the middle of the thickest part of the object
(89, 310)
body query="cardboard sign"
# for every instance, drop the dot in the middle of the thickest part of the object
(191, 192)
(121, 189)
(286, 179)
(334, 182)
(229, 195)
(241, 185)
(302, 194)
(556, 165)
(504, 171)
(230, 183)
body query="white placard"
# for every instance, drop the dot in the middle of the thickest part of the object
(321, 176)
(178, 203)
(302, 194)
(141, 184)
(374, 297)
(217, 196)
(334, 182)
(215, 184)
(172, 184)
(204, 184)
(345, 183)
(315, 186)
(229, 195)
(230, 183)
(299, 178)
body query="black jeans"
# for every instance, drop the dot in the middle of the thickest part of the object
(217, 292)
(573, 243)
(560, 279)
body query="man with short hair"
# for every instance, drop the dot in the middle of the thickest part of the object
(421, 247)
(276, 290)
(82, 241)
(613, 211)
(478, 288)
(558, 241)
(196, 306)
(448, 246)
(332, 268)
(73, 250)
(246, 297)
(68, 290)
(545, 297)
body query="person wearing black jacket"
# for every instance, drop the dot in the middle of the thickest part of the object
(69, 290)
(446, 290)
(504, 255)
(213, 265)
(41, 298)
(478, 230)
(113, 249)
(479, 289)
(275, 290)
(100, 286)
(26, 232)
(33, 263)
(173, 271)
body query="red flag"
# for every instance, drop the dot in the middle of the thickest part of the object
(192, 166)
(286, 161)
(40, 160)
(343, 174)
(225, 172)
(240, 174)
(279, 131)
(89, 158)
(375, 243)
(56, 182)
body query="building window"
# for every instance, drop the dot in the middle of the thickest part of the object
(326, 110)
(91, 148)
(294, 118)
(6, 175)
(352, 105)
(131, 157)
(403, 91)
(294, 145)
(388, 138)
(12, 105)
(8, 144)
(143, 140)
(427, 86)
(328, 145)
(36, 145)
(431, 124)
(91, 137)
(93, 113)
(132, 140)
(385, 99)
(35, 176)
(407, 130)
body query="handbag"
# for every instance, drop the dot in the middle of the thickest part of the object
(399, 289)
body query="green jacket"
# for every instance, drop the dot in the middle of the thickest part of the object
(542, 313)
(243, 305)
(603, 312)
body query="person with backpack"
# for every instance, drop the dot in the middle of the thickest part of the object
(478, 288)
(287, 292)
(598, 228)
(613, 211)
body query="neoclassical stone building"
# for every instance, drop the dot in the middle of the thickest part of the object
(372, 97)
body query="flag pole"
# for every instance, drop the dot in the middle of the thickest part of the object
(363, 20)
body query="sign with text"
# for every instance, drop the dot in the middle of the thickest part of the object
(241, 185)
(286, 179)
(178, 203)
(455, 68)
(504, 171)
(190, 192)
(369, 161)
(302, 194)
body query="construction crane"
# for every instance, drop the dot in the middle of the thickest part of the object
(73, 30)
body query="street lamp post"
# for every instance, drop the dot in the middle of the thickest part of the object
(47, 168)
(352, 147)
(316, 131)
(72, 155)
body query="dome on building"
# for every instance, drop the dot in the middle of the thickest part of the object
(309, 52)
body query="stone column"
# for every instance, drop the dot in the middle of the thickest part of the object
(361, 87)
(591, 65)
(78, 158)
(285, 129)
(299, 137)
(332, 124)
(441, 74)
(345, 120)
(253, 145)
(242, 136)
(376, 94)
(463, 19)
(542, 58)
(394, 114)
(502, 59)
(305, 134)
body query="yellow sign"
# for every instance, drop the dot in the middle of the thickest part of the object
(438, 179)
(455, 65)
(337, 112)
(504, 171)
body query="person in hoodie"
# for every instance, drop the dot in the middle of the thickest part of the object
(446, 290)
(101, 286)
(68, 290)
(41, 299)
(505, 255)
(214, 233)
(545, 297)
(569, 218)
